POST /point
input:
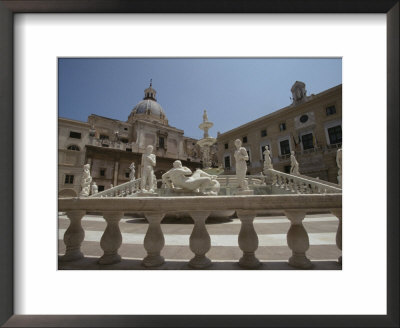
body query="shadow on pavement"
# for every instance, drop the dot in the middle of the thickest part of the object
(90, 263)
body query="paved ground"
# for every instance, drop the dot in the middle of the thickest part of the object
(273, 250)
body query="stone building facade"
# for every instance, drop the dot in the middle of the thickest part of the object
(110, 146)
(311, 126)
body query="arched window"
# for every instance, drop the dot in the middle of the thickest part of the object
(73, 147)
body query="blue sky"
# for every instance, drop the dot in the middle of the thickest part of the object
(234, 91)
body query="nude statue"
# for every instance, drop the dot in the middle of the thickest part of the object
(95, 189)
(267, 159)
(148, 163)
(86, 180)
(339, 165)
(294, 168)
(241, 157)
(205, 117)
(132, 172)
(179, 178)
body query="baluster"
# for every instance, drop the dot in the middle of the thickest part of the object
(287, 185)
(276, 179)
(73, 237)
(248, 239)
(293, 185)
(283, 181)
(111, 240)
(338, 213)
(200, 241)
(276, 183)
(297, 239)
(154, 240)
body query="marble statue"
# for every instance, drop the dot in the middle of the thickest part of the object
(86, 180)
(148, 163)
(179, 178)
(205, 116)
(339, 165)
(241, 157)
(95, 189)
(294, 169)
(132, 172)
(154, 182)
(267, 159)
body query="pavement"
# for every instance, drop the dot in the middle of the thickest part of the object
(273, 251)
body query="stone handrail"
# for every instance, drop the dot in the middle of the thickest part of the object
(231, 180)
(199, 208)
(299, 184)
(332, 184)
(122, 190)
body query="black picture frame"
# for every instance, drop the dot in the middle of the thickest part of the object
(10, 7)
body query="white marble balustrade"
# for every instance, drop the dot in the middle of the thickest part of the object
(300, 184)
(122, 190)
(294, 207)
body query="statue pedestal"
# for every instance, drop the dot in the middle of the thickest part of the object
(245, 192)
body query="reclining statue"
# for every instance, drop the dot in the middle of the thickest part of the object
(179, 178)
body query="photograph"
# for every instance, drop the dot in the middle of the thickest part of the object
(181, 164)
(199, 163)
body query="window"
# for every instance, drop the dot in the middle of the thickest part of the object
(282, 126)
(287, 168)
(129, 149)
(330, 110)
(161, 142)
(248, 154)
(127, 175)
(75, 135)
(125, 129)
(308, 141)
(104, 137)
(263, 133)
(100, 188)
(335, 134)
(226, 146)
(285, 147)
(227, 161)
(102, 172)
(303, 118)
(124, 140)
(73, 147)
(69, 179)
(244, 139)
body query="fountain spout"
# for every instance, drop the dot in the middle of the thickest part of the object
(207, 141)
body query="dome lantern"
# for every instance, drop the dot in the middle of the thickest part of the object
(150, 93)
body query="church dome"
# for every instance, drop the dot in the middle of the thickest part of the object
(149, 107)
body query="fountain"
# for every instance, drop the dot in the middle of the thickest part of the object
(205, 146)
